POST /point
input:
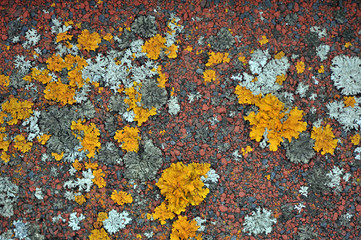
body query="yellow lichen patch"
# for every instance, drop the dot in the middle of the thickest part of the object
(129, 138)
(183, 229)
(349, 101)
(171, 51)
(99, 234)
(217, 58)
(133, 96)
(75, 78)
(4, 82)
(182, 186)
(19, 110)
(271, 116)
(264, 40)
(43, 138)
(246, 150)
(37, 75)
(89, 41)
(57, 156)
(280, 79)
(77, 165)
(102, 216)
(279, 55)
(99, 178)
(55, 63)
(209, 75)
(142, 114)
(121, 197)
(79, 62)
(88, 135)
(21, 144)
(153, 46)
(108, 37)
(80, 199)
(325, 139)
(300, 67)
(348, 44)
(162, 79)
(188, 48)
(63, 36)
(355, 139)
(91, 165)
(246, 96)
(321, 69)
(4, 146)
(162, 213)
(242, 59)
(59, 92)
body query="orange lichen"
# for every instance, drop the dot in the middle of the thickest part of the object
(88, 135)
(209, 75)
(57, 156)
(19, 110)
(246, 96)
(63, 36)
(182, 185)
(162, 79)
(162, 213)
(325, 139)
(171, 51)
(183, 229)
(55, 63)
(153, 46)
(59, 92)
(21, 144)
(279, 55)
(217, 58)
(142, 114)
(43, 138)
(77, 165)
(349, 101)
(271, 116)
(108, 37)
(80, 199)
(280, 79)
(99, 234)
(37, 75)
(121, 197)
(355, 139)
(263, 41)
(89, 41)
(99, 178)
(4, 82)
(321, 69)
(129, 138)
(300, 67)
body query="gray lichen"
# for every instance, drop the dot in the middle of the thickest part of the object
(116, 104)
(57, 121)
(143, 167)
(300, 150)
(152, 95)
(8, 196)
(125, 39)
(109, 154)
(145, 26)
(223, 41)
(317, 180)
